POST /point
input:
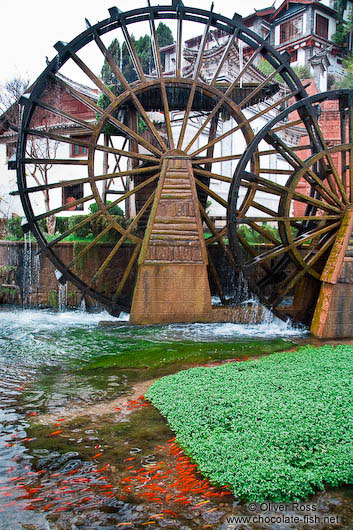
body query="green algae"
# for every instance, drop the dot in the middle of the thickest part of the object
(276, 428)
(141, 353)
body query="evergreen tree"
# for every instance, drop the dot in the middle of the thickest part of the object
(106, 73)
(143, 47)
(164, 35)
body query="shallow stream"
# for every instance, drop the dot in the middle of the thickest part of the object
(81, 448)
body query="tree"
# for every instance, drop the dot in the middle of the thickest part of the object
(10, 93)
(303, 71)
(164, 35)
(347, 80)
(42, 148)
(344, 28)
(143, 47)
(36, 147)
(107, 75)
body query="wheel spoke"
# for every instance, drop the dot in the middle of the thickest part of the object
(120, 76)
(54, 161)
(70, 231)
(87, 247)
(127, 173)
(214, 239)
(196, 73)
(329, 158)
(107, 149)
(211, 193)
(263, 208)
(296, 162)
(212, 160)
(217, 235)
(248, 220)
(260, 86)
(248, 64)
(245, 123)
(283, 190)
(179, 44)
(281, 249)
(131, 192)
(275, 151)
(225, 55)
(53, 185)
(251, 251)
(132, 134)
(275, 171)
(264, 233)
(63, 208)
(125, 235)
(63, 114)
(287, 125)
(128, 270)
(159, 68)
(211, 175)
(132, 51)
(98, 82)
(293, 279)
(114, 121)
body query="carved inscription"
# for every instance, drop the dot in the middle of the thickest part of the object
(176, 232)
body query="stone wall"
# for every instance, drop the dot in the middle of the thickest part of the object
(39, 287)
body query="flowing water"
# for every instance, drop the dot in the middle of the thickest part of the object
(77, 451)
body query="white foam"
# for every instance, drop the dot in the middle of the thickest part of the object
(40, 319)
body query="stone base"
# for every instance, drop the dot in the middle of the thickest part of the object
(166, 294)
(333, 318)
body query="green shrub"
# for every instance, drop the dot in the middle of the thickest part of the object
(277, 428)
(83, 231)
(115, 210)
(101, 222)
(52, 299)
(62, 224)
(14, 228)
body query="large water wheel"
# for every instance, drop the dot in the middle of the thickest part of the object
(211, 96)
(302, 208)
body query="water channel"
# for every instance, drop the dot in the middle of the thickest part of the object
(82, 449)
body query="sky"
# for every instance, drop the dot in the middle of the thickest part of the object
(29, 29)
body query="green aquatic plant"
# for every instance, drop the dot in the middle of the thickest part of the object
(277, 428)
(52, 299)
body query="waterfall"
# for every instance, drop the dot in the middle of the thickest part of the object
(83, 307)
(62, 297)
(27, 270)
(31, 273)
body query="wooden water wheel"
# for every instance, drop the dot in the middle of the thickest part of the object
(299, 213)
(204, 105)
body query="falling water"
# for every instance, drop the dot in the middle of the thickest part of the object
(31, 273)
(62, 297)
(27, 270)
(83, 307)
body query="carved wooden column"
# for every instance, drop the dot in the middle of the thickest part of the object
(172, 283)
(333, 317)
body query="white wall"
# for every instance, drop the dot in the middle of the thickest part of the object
(58, 173)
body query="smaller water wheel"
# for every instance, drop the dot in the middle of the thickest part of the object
(290, 225)
(210, 93)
